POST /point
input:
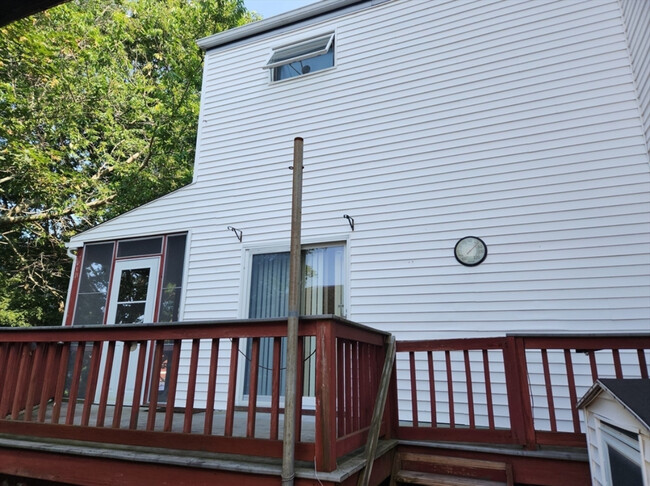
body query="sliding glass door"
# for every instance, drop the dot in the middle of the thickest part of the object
(323, 271)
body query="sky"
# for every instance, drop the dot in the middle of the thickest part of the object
(269, 8)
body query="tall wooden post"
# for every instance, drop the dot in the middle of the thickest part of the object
(289, 440)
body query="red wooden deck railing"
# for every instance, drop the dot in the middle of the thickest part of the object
(96, 384)
(512, 390)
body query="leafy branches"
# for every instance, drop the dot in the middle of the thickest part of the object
(99, 105)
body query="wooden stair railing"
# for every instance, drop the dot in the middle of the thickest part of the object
(449, 471)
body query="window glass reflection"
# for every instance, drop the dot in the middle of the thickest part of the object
(134, 284)
(304, 66)
(130, 313)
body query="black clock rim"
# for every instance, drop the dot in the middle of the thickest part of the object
(470, 264)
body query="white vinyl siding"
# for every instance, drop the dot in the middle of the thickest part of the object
(514, 121)
(512, 130)
(636, 14)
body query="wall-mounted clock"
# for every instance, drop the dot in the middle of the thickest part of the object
(470, 251)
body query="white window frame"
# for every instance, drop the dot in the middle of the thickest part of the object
(248, 251)
(628, 447)
(276, 247)
(297, 46)
(271, 64)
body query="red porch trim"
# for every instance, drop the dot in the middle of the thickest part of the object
(74, 287)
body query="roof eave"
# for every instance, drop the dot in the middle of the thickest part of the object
(321, 7)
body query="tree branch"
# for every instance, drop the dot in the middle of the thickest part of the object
(30, 218)
(105, 169)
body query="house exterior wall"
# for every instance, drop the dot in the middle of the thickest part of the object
(636, 14)
(513, 121)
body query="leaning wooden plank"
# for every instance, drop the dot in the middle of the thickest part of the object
(378, 413)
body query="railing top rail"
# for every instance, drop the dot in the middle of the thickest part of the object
(452, 344)
(560, 335)
(240, 328)
(585, 342)
(134, 332)
(342, 322)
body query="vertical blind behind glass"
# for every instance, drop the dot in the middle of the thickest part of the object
(322, 293)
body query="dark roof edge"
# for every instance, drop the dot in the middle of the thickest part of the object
(601, 385)
(316, 9)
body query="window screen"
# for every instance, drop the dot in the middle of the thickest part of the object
(170, 297)
(148, 246)
(93, 284)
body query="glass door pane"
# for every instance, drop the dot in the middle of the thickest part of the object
(323, 281)
(132, 296)
(269, 298)
(322, 293)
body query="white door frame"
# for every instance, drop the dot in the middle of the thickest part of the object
(153, 263)
(248, 251)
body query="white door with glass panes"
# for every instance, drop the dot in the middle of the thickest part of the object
(132, 301)
(323, 277)
(133, 292)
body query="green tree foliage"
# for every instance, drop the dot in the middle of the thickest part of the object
(98, 112)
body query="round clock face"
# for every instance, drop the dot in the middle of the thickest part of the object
(470, 251)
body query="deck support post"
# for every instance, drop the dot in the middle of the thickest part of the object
(521, 413)
(289, 439)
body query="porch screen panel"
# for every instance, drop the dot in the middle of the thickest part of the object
(170, 297)
(168, 310)
(93, 284)
(140, 247)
